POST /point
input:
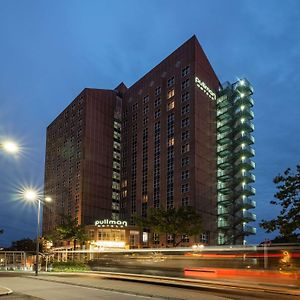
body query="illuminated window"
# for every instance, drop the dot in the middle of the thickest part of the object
(171, 93)
(170, 105)
(171, 142)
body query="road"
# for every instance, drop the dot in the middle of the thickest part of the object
(93, 286)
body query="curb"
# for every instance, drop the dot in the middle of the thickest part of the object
(4, 291)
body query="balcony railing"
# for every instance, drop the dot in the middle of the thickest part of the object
(245, 189)
(243, 123)
(245, 163)
(244, 137)
(245, 175)
(245, 216)
(246, 203)
(245, 149)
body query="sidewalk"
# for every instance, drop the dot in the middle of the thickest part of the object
(5, 291)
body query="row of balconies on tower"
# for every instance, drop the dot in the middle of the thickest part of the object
(234, 152)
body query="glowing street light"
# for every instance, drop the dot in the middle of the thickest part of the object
(10, 147)
(32, 196)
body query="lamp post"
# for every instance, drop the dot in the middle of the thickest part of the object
(9, 147)
(32, 195)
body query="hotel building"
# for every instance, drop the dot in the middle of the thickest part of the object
(174, 138)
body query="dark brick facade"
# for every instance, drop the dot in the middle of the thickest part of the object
(168, 146)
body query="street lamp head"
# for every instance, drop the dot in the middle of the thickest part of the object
(48, 199)
(10, 147)
(30, 195)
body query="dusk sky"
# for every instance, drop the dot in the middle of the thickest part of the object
(51, 50)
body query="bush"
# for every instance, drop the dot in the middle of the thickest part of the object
(69, 266)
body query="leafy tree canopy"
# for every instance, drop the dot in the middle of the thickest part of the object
(26, 244)
(70, 230)
(175, 221)
(288, 197)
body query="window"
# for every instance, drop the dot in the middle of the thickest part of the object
(157, 114)
(146, 99)
(185, 148)
(185, 175)
(145, 121)
(134, 106)
(146, 109)
(171, 81)
(171, 93)
(185, 135)
(185, 201)
(185, 188)
(134, 117)
(171, 142)
(157, 91)
(157, 102)
(170, 105)
(185, 96)
(171, 118)
(185, 71)
(185, 109)
(185, 122)
(185, 84)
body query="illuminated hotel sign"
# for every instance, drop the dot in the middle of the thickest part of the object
(110, 223)
(202, 86)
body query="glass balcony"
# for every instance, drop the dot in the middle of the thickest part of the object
(246, 203)
(224, 198)
(245, 176)
(244, 137)
(223, 135)
(224, 210)
(223, 224)
(245, 100)
(245, 163)
(224, 110)
(245, 190)
(224, 173)
(243, 85)
(244, 124)
(244, 112)
(246, 216)
(244, 149)
(247, 229)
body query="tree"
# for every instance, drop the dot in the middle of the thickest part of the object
(176, 222)
(25, 244)
(288, 197)
(70, 230)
